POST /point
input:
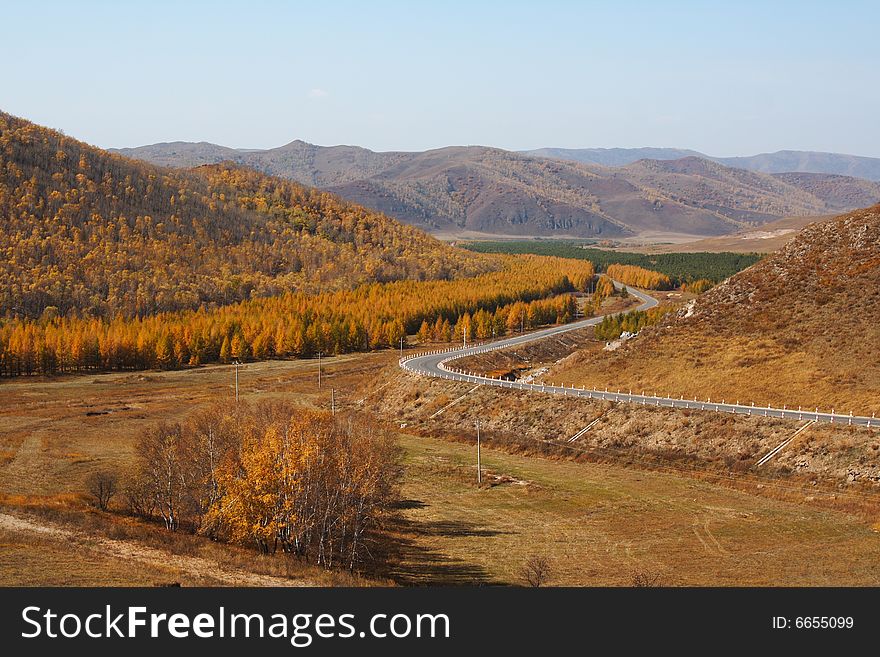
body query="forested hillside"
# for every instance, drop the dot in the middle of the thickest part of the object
(88, 232)
(529, 291)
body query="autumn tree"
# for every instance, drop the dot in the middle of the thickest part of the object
(527, 293)
(273, 476)
(639, 277)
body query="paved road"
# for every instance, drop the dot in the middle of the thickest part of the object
(440, 364)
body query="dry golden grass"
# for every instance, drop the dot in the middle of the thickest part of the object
(29, 560)
(603, 524)
(801, 328)
(65, 524)
(54, 433)
(838, 466)
(662, 500)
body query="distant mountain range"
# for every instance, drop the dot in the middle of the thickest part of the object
(778, 162)
(550, 192)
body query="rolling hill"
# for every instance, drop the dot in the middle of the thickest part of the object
(801, 327)
(778, 162)
(474, 189)
(612, 157)
(808, 162)
(93, 233)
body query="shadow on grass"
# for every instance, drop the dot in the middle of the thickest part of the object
(410, 504)
(410, 562)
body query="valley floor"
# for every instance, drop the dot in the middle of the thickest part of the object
(596, 523)
(603, 525)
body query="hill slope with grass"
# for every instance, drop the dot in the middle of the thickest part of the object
(801, 327)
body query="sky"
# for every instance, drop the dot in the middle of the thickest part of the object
(723, 78)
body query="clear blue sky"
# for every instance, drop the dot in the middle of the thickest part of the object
(726, 78)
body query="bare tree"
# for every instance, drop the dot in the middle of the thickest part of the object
(139, 497)
(159, 451)
(102, 486)
(207, 439)
(536, 571)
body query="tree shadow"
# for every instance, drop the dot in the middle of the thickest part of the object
(452, 528)
(408, 561)
(409, 504)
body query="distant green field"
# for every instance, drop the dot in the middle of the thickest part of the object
(681, 267)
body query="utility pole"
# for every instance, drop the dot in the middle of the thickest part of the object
(522, 321)
(319, 369)
(332, 401)
(479, 467)
(237, 364)
(464, 335)
(401, 346)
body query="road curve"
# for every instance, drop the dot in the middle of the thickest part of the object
(438, 364)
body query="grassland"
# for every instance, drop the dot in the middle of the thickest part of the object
(55, 432)
(596, 522)
(601, 525)
(766, 238)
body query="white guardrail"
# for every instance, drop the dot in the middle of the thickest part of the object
(428, 359)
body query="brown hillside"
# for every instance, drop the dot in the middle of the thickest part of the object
(458, 189)
(837, 191)
(799, 328)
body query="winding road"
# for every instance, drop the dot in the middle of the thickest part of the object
(439, 364)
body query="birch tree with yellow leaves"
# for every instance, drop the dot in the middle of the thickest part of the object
(276, 477)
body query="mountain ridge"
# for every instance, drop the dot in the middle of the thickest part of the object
(479, 189)
(783, 161)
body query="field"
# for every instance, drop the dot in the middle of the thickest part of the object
(602, 525)
(596, 523)
(55, 432)
(766, 238)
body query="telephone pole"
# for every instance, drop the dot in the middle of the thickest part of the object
(401, 346)
(332, 401)
(464, 335)
(319, 369)
(237, 364)
(479, 467)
